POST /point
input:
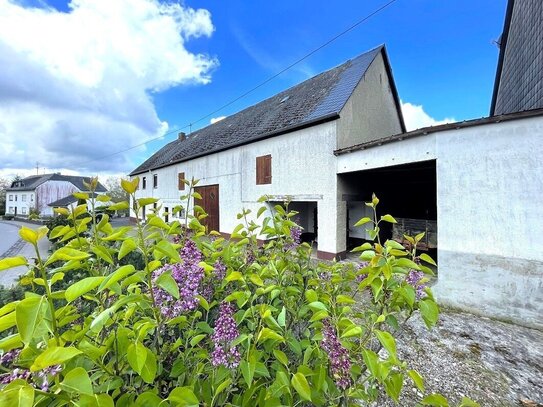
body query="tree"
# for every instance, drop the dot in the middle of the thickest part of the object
(115, 192)
(4, 184)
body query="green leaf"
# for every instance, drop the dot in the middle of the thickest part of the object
(429, 312)
(427, 259)
(256, 280)
(136, 355)
(183, 397)
(54, 355)
(404, 262)
(362, 221)
(234, 276)
(77, 381)
(248, 371)
(388, 218)
(222, 386)
(148, 372)
(393, 385)
(436, 400)
(146, 201)
(127, 247)
(311, 295)
(166, 282)
(197, 339)
(17, 394)
(281, 357)
(417, 379)
(344, 299)
(103, 253)
(129, 186)
(29, 314)
(388, 341)
(76, 290)
(354, 331)
(267, 333)
(466, 402)
(7, 321)
(28, 235)
(281, 319)
(167, 248)
(95, 400)
(317, 305)
(116, 276)
(148, 399)
(119, 206)
(10, 262)
(66, 254)
(300, 384)
(372, 362)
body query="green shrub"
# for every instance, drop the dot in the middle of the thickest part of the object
(200, 320)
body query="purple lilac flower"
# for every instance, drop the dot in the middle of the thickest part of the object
(361, 277)
(15, 374)
(250, 257)
(220, 270)
(188, 276)
(43, 375)
(9, 357)
(295, 235)
(340, 364)
(325, 276)
(226, 331)
(413, 278)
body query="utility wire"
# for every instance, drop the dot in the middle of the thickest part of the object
(282, 71)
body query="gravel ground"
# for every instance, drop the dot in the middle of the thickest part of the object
(491, 362)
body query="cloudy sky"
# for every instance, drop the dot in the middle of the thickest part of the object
(85, 79)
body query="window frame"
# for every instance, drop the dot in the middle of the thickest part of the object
(181, 181)
(155, 181)
(264, 169)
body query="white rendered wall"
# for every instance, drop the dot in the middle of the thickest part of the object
(303, 167)
(370, 113)
(490, 213)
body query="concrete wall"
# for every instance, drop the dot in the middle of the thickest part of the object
(490, 213)
(370, 113)
(303, 167)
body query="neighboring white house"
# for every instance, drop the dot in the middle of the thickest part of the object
(283, 146)
(39, 191)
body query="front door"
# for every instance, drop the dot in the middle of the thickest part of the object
(210, 204)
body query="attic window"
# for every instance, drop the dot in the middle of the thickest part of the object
(284, 99)
(263, 170)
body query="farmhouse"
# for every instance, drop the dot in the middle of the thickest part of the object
(475, 187)
(43, 192)
(283, 146)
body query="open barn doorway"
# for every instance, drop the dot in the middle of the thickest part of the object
(306, 218)
(407, 192)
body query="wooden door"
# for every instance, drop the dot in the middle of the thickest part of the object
(210, 204)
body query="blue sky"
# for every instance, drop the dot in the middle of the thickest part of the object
(442, 55)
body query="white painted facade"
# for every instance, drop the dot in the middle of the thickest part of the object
(303, 163)
(490, 213)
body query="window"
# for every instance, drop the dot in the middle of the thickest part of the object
(23, 197)
(11, 197)
(15, 198)
(155, 181)
(31, 197)
(263, 170)
(144, 182)
(23, 211)
(181, 181)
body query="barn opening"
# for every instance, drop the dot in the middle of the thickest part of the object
(306, 218)
(407, 192)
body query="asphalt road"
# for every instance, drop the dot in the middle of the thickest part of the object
(9, 234)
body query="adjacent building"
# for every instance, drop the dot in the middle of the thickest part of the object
(39, 191)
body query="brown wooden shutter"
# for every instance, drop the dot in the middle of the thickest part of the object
(181, 181)
(263, 170)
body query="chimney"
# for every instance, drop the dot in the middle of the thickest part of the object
(182, 136)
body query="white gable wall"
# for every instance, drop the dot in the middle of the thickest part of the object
(490, 217)
(370, 113)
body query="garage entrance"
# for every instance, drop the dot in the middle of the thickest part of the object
(407, 192)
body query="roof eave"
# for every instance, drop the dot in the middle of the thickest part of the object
(285, 130)
(443, 127)
(503, 45)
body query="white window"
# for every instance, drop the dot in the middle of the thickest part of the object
(15, 198)
(31, 197)
(23, 198)
(23, 211)
(11, 209)
(11, 197)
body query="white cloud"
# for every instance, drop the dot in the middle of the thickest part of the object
(76, 86)
(415, 117)
(217, 119)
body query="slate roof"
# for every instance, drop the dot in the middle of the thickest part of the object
(32, 182)
(313, 101)
(67, 200)
(518, 85)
